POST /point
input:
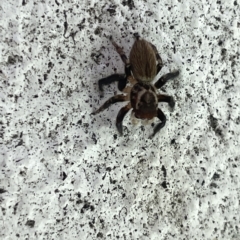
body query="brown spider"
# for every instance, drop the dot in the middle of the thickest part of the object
(143, 65)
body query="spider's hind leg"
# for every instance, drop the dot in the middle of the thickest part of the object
(120, 51)
(159, 59)
(160, 125)
(162, 80)
(120, 78)
(137, 36)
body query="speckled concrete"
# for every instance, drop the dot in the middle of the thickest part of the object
(65, 174)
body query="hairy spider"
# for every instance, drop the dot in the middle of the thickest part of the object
(143, 65)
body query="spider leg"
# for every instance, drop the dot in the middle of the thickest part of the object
(160, 125)
(162, 80)
(159, 59)
(166, 98)
(121, 114)
(136, 35)
(110, 101)
(120, 51)
(123, 57)
(120, 78)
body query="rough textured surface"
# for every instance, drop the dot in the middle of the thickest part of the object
(65, 174)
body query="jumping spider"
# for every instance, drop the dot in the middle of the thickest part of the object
(143, 65)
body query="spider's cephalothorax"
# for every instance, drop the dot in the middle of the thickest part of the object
(143, 65)
(144, 101)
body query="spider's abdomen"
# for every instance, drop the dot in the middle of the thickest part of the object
(143, 61)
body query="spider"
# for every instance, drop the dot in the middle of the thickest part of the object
(143, 65)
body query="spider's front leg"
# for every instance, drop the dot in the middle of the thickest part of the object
(160, 125)
(121, 114)
(110, 101)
